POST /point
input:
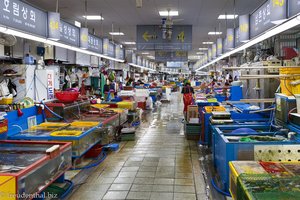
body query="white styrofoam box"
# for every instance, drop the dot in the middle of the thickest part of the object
(281, 153)
(140, 99)
(126, 93)
(142, 92)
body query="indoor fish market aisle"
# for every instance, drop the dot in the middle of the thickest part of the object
(160, 164)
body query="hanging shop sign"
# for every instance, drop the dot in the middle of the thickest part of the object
(237, 37)
(294, 7)
(122, 54)
(150, 37)
(214, 51)
(134, 61)
(117, 51)
(270, 13)
(225, 45)
(147, 64)
(53, 26)
(163, 56)
(229, 39)
(105, 46)
(175, 64)
(84, 38)
(21, 16)
(69, 34)
(209, 54)
(219, 46)
(139, 60)
(94, 44)
(111, 49)
(144, 62)
(244, 22)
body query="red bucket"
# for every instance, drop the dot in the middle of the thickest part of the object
(95, 151)
(67, 96)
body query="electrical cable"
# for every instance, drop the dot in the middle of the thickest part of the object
(218, 189)
(68, 191)
(52, 112)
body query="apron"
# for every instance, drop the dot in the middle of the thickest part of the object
(188, 100)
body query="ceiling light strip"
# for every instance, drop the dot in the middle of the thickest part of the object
(55, 43)
(294, 21)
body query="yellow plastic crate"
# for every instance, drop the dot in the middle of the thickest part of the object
(118, 110)
(8, 188)
(66, 133)
(6, 101)
(210, 109)
(130, 105)
(50, 124)
(84, 124)
(100, 106)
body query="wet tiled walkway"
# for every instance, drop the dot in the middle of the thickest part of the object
(160, 164)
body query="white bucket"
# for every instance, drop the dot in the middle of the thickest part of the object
(298, 102)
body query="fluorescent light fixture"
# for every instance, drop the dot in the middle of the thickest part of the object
(200, 53)
(145, 53)
(214, 33)
(54, 43)
(166, 13)
(129, 43)
(78, 24)
(116, 33)
(207, 42)
(288, 24)
(203, 49)
(227, 16)
(93, 17)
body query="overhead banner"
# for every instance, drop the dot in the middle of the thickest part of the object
(139, 60)
(149, 37)
(270, 13)
(209, 54)
(95, 44)
(117, 51)
(219, 46)
(84, 38)
(214, 51)
(230, 39)
(134, 61)
(105, 46)
(175, 64)
(164, 56)
(237, 37)
(244, 22)
(111, 49)
(294, 7)
(53, 26)
(21, 16)
(69, 34)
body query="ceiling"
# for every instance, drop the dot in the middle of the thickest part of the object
(124, 15)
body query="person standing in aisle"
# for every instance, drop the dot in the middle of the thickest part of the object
(188, 96)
